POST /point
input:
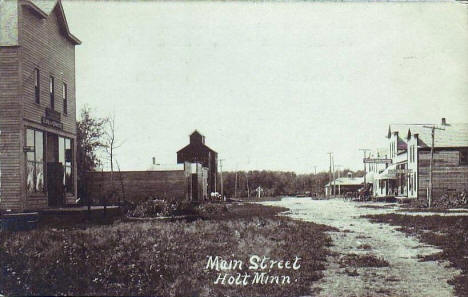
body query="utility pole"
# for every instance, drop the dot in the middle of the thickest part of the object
(235, 186)
(364, 151)
(247, 181)
(333, 175)
(338, 171)
(329, 171)
(431, 164)
(221, 177)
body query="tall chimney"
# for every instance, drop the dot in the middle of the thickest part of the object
(154, 160)
(444, 122)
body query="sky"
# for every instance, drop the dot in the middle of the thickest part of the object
(272, 85)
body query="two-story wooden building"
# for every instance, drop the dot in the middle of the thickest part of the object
(37, 106)
(409, 149)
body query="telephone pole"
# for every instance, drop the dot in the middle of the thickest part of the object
(330, 170)
(431, 164)
(338, 171)
(221, 177)
(235, 186)
(364, 151)
(333, 175)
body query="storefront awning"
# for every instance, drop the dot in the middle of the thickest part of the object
(388, 173)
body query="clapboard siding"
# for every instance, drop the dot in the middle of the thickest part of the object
(10, 127)
(448, 174)
(137, 185)
(44, 46)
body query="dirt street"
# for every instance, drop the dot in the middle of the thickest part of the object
(405, 275)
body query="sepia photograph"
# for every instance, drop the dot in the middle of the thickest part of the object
(234, 148)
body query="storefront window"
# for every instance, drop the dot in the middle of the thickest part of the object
(35, 161)
(65, 157)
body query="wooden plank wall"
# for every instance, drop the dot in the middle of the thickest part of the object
(138, 185)
(448, 175)
(44, 46)
(10, 127)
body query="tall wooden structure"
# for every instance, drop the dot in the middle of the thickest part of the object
(198, 152)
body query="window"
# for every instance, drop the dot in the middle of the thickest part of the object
(52, 92)
(464, 157)
(35, 161)
(65, 98)
(65, 157)
(37, 91)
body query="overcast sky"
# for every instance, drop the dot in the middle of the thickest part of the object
(271, 85)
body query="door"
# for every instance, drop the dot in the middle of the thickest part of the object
(55, 188)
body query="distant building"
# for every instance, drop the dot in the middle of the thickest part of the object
(198, 152)
(344, 185)
(37, 106)
(409, 148)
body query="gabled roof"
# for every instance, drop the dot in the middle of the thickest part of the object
(453, 135)
(191, 145)
(43, 8)
(195, 132)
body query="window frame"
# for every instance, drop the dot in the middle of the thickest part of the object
(37, 86)
(35, 161)
(69, 189)
(52, 92)
(65, 97)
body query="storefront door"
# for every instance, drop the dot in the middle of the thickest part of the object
(55, 187)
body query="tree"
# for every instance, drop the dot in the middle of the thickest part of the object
(110, 145)
(90, 132)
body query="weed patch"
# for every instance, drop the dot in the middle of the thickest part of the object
(159, 258)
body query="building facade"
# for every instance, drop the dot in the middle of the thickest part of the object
(37, 106)
(409, 148)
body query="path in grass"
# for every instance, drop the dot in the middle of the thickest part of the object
(404, 276)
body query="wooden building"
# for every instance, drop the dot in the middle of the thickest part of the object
(409, 147)
(344, 185)
(37, 106)
(198, 152)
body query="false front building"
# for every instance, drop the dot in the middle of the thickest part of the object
(198, 152)
(407, 174)
(37, 106)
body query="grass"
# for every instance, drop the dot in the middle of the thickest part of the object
(365, 260)
(161, 258)
(450, 233)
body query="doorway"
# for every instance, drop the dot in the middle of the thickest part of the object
(55, 171)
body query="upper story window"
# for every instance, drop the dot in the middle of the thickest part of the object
(36, 86)
(65, 98)
(52, 92)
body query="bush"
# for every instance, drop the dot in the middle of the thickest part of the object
(162, 208)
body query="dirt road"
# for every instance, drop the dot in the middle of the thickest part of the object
(404, 276)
